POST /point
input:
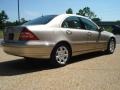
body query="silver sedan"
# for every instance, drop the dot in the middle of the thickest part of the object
(57, 37)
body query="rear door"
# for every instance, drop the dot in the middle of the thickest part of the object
(75, 33)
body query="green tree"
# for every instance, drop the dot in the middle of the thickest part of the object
(118, 21)
(16, 23)
(69, 11)
(86, 12)
(3, 18)
(23, 21)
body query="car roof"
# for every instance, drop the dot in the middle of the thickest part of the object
(57, 21)
(71, 15)
(67, 15)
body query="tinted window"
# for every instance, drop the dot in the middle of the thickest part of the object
(88, 24)
(41, 20)
(72, 22)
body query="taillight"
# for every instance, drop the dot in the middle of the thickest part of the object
(26, 35)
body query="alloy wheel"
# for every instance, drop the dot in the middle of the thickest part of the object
(112, 46)
(62, 55)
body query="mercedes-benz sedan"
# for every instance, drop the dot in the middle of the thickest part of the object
(57, 37)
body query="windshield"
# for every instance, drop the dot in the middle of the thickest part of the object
(41, 20)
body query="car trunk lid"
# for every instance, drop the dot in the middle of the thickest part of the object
(11, 34)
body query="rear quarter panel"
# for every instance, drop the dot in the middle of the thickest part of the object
(49, 35)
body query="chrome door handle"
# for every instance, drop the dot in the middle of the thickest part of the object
(68, 32)
(89, 34)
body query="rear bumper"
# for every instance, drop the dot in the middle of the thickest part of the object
(31, 51)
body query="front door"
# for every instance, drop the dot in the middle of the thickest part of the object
(93, 35)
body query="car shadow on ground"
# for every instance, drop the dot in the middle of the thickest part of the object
(21, 66)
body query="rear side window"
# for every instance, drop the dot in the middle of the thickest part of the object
(72, 22)
(41, 20)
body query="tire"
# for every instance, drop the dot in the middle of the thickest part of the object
(60, 55)
(111, 46)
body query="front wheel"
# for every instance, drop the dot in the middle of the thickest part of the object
(111, 46)
(61, 54)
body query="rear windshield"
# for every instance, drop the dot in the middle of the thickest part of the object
(41, 20)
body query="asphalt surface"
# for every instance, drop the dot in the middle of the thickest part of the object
(93, 71)
(118, 39)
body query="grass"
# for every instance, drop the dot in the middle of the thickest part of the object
(1, 34)
(108, 28)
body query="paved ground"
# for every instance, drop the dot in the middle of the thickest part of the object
(94, 71)
(118, 39)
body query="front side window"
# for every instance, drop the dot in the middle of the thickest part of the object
(88, 24)
(72, 22)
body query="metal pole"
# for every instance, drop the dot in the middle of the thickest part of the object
(18, 12)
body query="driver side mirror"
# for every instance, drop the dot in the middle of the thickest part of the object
(101, 29)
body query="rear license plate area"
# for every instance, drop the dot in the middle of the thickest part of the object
(11, 36)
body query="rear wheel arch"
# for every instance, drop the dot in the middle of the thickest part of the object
(65, 43)
(60, 44)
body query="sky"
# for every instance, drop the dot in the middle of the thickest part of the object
(107, 10)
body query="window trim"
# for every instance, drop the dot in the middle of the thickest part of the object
(69, 27)
(89, 21)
